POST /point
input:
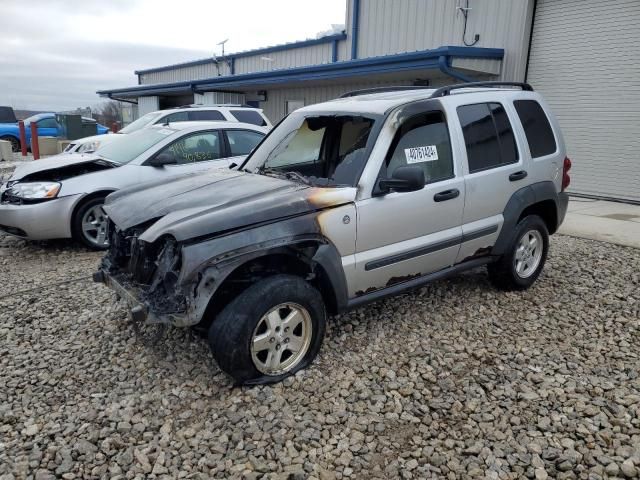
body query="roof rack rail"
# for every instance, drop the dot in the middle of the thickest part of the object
(201, 105)
(443, 91)
(367, 91)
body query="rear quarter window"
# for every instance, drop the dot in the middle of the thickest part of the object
(249, 116)
(536, 128)
(200, 115)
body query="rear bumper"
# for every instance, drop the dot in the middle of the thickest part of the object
(39, 221)
(563, 205)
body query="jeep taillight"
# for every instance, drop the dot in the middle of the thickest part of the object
(566, 179)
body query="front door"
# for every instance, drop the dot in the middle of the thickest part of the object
(193, 153)
(402, 235)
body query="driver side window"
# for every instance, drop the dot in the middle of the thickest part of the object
(200, 147)
(423, 141)
(47, 123)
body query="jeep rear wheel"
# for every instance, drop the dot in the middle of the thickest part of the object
(524, 260)
(270, 331)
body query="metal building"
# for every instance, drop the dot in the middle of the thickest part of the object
(579, 53)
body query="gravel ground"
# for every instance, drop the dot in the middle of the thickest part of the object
(454, 380)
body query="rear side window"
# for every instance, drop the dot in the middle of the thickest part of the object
(199, 115)
(241, 142)
(536, 127)
(488, 136)
(249, 116)
(423, 141)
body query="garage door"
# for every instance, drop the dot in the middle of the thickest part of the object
(585, 60)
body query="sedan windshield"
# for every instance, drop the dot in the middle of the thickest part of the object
(142, 122)
(318, 150)
(125, 149)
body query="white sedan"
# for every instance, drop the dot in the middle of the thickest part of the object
(62, 197)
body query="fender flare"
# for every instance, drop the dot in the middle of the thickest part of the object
(326, 256)
(521, 199)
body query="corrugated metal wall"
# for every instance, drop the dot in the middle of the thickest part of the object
(275, 106)
(216, 98)
(147, 104)
(295, 57)
(407, 25)
(585, 61)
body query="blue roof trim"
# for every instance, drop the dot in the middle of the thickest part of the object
(249, 53)
(427, 59)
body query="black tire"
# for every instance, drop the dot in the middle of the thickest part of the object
(15, 143)
(231, 333)
(503, 273)
(76, 223)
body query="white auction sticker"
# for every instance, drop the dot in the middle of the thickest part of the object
(427, 153)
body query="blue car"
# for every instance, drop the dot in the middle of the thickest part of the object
(47, 127)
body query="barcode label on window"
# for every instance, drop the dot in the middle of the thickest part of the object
(427, 153)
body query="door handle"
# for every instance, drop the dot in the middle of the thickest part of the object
(446, 195)
(518, 175)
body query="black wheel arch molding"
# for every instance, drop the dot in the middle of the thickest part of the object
(541, 198)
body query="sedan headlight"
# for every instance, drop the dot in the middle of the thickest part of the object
(35, 190)
(89, 147)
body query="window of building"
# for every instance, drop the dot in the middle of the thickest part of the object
(249, 116)
(423, 141)
(241, 142)
(199, 147)
(536, 127)
(293, 105)
(488, 136)
(199, 115)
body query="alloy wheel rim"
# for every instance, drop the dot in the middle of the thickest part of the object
(281, 339)
(94, 226)
(528, 253)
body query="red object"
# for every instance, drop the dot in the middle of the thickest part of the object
(35, 148)
(23, 138)
(566, 179)
(115, 127)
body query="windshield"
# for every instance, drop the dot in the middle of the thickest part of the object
(131, 146)
(142, 122)
(325, 150)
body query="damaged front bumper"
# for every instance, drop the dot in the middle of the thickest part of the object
(140, 309)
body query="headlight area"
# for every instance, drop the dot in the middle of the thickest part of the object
(31, 192)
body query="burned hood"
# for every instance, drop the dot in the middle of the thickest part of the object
(59, 167)
(219, 201)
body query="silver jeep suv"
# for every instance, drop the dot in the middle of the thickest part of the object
(343, 203)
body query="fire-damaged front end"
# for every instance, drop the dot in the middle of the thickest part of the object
(174, 245)
(145, 275)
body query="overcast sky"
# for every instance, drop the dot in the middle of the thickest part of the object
(57, 53)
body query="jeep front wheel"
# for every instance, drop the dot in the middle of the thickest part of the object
(523, 261)
(270, 331)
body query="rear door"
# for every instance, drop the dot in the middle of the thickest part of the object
(401, 235)
(240, 143)
(495, 169)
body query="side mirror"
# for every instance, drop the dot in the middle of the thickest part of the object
(162, 160)
(404, 179)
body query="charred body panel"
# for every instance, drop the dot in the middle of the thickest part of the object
(172, 270)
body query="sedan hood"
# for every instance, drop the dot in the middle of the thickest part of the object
(57, 162)
(218, 201)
